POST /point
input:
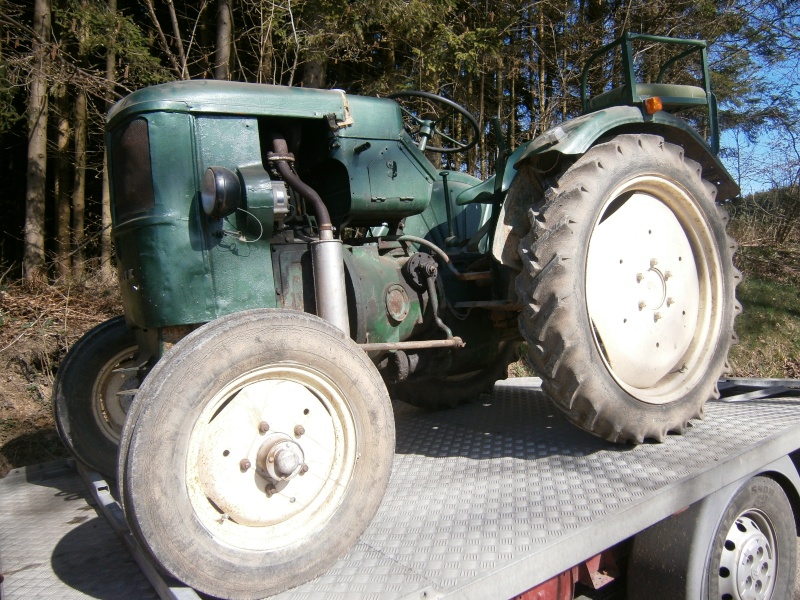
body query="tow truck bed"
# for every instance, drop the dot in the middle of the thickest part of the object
(485, 501)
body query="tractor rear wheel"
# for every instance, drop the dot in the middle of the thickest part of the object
(256, 453)
(629, 289)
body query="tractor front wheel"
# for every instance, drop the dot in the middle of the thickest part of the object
(257, 452)
(629, 289)
(92, 391)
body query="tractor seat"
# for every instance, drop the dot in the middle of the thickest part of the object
(673, 97)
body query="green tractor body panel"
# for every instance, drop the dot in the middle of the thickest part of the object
(232, 98)
(576, 136)
(180, 266)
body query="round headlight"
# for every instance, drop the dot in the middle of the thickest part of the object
(220, 192)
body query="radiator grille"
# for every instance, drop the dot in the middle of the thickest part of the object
(132, 173)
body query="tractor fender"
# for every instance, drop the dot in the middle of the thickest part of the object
(572, 139)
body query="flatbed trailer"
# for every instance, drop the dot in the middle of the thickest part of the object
(498, 499)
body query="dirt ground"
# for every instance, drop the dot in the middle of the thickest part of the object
(38, 324)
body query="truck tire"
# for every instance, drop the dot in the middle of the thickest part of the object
(738, 543)
(754, 550)
(628, 289)
(258, 451)
(89, 411)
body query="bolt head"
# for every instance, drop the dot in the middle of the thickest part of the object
(244, 464)
(263, 427)
(299, 430)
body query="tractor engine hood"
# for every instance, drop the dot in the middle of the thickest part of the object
(227, 97)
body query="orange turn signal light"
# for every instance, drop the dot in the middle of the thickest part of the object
(653, 105)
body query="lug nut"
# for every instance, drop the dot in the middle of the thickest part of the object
(270, 491)
(667, 275)
(263, 427)
(244, 465)
(642, 304)
(304, 469)
(639, 278)
(656, 317)
(653, 262)
(299, 430)
(670, 301)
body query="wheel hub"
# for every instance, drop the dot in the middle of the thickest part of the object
(113, 392)
(643, 290)
(271, 450)
(748, 562)
(654, 288)
(280, 458)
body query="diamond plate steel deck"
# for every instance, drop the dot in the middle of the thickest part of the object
(484, 502)
(53, 544)
(490, 499)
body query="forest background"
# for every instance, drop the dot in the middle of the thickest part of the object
(63, 63)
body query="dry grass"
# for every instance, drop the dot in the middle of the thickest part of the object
(38, 323)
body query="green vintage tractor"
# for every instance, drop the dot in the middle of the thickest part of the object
(290, 259)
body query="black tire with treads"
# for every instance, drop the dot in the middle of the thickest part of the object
(89, 414)
(168, 484)
(593, 386)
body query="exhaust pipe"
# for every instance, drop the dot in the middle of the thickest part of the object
(327, 261)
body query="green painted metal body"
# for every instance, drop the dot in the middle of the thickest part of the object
(181, 267)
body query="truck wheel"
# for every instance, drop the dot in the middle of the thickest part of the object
(260, 450)
(629, 290)
(754, 550)
(738, 543)
(89, 411)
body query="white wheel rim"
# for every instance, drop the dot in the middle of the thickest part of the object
(749, 561)
(654, 289)
(232, 486)
(109, 405)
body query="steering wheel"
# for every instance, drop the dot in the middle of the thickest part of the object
(433, 117)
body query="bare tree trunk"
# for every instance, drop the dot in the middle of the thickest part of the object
(512, 136)
(222, 55)
(106, 250)
(483, 160)
(62, 184)
(314, 64)
(33, 256)
(176, 32)
(178, 62)
(79, 188)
